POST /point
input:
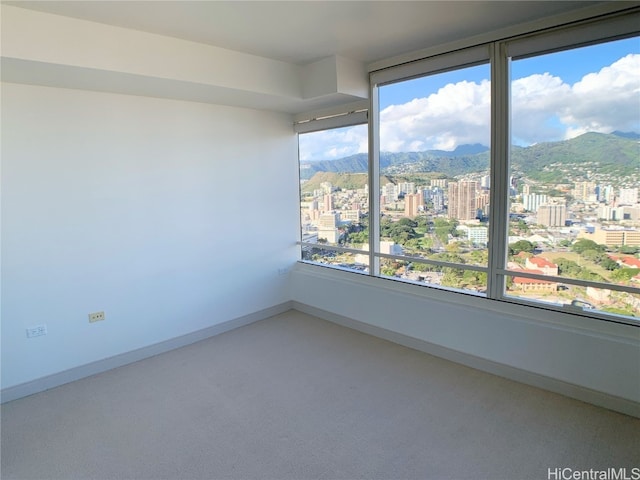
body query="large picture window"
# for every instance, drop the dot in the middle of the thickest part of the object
(435, 177)
(334, 197)
(574, 216)
(509, 170)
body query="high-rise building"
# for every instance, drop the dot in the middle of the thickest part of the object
(328, 203)
(406, 187)
(478, 235)
(349, 215)
(439, 182)
(532, 201)
(606, 212)
(412, 204)
(327, 227)
(326, 187)
(628, 196)
(606, 194)
(584, 191)
(551, 215)
(437, 198)
(482, 200)
(389, 192)
(462, 200)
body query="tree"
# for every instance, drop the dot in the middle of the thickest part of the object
(472, 278)
(421, 267)
(421, 221)
(521, 246)
(452, 277)
(567, 268)
(583, 244)
(591, 255)
(453, 247)
(624, 275)
(358, 237)
(387, 271)
(609, 264)
(400, 231)
(481, 257)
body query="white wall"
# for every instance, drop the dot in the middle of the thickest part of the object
(68, 52)
(591, 354)
(170, 216)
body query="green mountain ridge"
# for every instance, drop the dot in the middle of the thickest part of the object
(615, 154)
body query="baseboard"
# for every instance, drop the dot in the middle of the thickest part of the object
(611, 402)
(93, 368)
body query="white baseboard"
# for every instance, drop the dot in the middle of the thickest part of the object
(93, 368)
(577, 392)
(612, 402)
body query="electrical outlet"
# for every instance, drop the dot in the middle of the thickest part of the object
(283, 271)
(96, 317)
(36, 331)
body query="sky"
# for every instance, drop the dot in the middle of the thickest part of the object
(553, 97)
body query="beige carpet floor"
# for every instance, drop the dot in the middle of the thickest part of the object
(296, 397)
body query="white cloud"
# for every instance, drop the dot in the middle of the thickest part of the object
(544, 108)
(456, 114)
(607, 100)
(534, 102)
(333, 144)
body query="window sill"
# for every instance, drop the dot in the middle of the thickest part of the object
(568, 321)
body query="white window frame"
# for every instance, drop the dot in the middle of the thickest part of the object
(609, 27)
(339, 117)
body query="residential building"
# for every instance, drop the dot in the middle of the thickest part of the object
(526, 284)
(614, 236)
(478, 235)
(532, 201)
(541, 264)
(552, 215)
(584, 191)
(413, 203)
(462, 200)
(328, 227)
(628, 196)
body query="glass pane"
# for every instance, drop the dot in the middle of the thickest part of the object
(575, 171)
(433, 275)
(334, 195)
(556, 293)
(325, 256)
(434, 166)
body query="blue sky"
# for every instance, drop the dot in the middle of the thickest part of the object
(554, 97)
(569, 65)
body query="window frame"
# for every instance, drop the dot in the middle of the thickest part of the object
(602, 29)
(341, 117)
(441, 63)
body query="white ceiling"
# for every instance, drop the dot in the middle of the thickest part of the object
(304, 31)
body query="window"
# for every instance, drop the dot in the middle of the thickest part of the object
(509, 170)
(574, 170)
(435, 176)
(334, 197)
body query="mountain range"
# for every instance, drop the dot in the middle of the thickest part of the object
(617, 154)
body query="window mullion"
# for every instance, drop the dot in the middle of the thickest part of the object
(499, 193)
(374, 182)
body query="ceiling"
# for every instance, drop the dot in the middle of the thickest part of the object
(301, 32)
